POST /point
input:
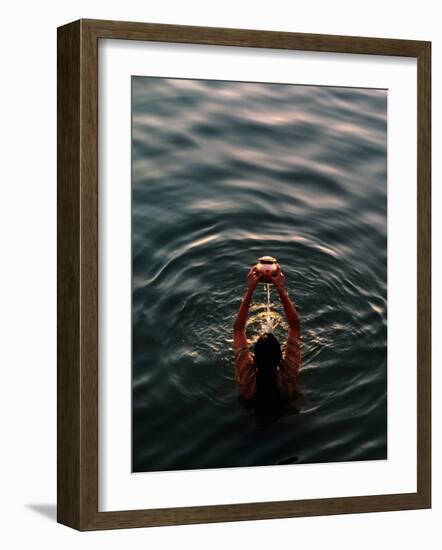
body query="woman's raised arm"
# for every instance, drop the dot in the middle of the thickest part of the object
(243, 360)
(292, 353)
(289, 307)
(241, 319)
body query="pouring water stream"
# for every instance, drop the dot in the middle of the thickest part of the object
(269, 325)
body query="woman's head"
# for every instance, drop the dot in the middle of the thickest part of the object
(267, 353)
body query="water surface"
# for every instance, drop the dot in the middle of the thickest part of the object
(225, 172)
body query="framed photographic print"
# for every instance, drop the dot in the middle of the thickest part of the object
(243, 274)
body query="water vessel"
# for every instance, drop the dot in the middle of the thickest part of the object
(267, 265)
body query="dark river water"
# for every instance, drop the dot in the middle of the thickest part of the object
(225, 172)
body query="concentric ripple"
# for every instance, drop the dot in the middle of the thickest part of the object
(223, 173)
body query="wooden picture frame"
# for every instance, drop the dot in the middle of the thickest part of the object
(77, 387)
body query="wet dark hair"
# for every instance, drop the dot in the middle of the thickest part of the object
(267, 354)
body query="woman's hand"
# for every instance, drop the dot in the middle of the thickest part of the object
(239, 327)
(278, 279)
(253, 278)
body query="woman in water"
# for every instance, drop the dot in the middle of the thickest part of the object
(268, 376)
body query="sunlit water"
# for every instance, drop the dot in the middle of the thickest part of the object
(223, 173)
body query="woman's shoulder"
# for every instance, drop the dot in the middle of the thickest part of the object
(287, 378)
(242, 351)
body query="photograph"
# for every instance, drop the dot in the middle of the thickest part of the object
(259, 274)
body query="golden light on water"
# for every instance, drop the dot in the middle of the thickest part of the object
(201, 242)
(376, 308)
